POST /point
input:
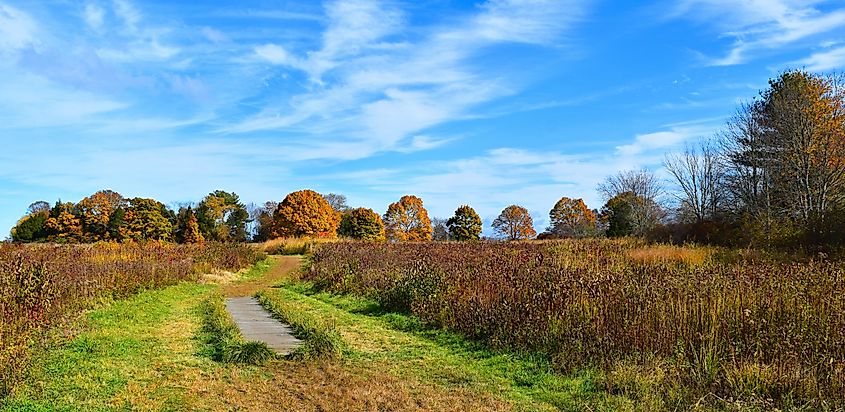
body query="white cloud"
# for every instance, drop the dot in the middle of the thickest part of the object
(759, 25)
(17, 29)
(215, 36)
(127, 12)
(663, 140)
(375, 83)
(28, 101)
(274, 54)
(94, 16)
(833, 59)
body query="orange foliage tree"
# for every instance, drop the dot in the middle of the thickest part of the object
(189, 229)
(305, 213)
(407, 220)
(63, 225)
(572, 218)
(515, 223)
(98, 214)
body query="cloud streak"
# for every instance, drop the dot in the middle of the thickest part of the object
(372, 83)
(758, 26)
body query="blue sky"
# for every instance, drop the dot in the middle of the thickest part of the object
(486, 103)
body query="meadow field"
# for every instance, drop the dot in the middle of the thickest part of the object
(670, 326)
(590, 324)
(43, 285)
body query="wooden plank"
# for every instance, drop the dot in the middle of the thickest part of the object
(256, 323)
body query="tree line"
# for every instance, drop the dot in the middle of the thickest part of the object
(774, 175)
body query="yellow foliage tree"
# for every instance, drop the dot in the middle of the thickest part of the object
(572, 218)
(305, 213)
(96, 213)
(515, 223)
(191, 230)
(63, 225)
(407, 220)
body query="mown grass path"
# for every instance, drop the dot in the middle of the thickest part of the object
(145, 353)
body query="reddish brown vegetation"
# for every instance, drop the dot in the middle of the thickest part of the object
(597, 303)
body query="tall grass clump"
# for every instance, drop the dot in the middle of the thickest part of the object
(45, 285)
(293, 246)
(320, 339)
(224, 337)
(753, 330)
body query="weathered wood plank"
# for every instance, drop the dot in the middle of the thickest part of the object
(256, 323)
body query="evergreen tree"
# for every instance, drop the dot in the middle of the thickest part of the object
(465, 224)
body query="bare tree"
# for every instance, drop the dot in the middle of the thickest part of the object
(749, 160)
(699, 172)
(439, 230)
(647, 192)
(337, 201)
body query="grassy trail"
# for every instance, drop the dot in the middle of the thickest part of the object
(144, 353)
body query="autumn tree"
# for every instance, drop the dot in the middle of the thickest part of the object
(63, 225)
(804, 114)
(262, 217)
(305, 213)
(407, 220)
(222, 217)
(147, 219)
(97, 214)
(571, 218)
(465, 224)
(361, 223)
(187, 226)
(514, 223)
(785, 157)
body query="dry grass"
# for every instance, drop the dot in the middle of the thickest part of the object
(330, 386)
(293, 246)
(277, 270)
(671, 254)
(743, 330)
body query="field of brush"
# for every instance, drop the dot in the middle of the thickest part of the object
(540, 325)
(42, 286)
(666, 326)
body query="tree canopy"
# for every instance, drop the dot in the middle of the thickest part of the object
(361, 223)
(222, 217)
(572, 218)
(465, 224)
(514, 223)
(305, 213)
(407, 220)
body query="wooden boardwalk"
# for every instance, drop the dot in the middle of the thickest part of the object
(256, 323)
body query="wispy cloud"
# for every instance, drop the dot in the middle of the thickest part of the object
(373, 82)
(759, 25)
(825, 60)
(17, 29)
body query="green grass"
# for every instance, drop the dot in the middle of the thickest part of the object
(320, 338)
(256, 271)
(129, 345)
(221, 333)
(445, 358)
(149, 352)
